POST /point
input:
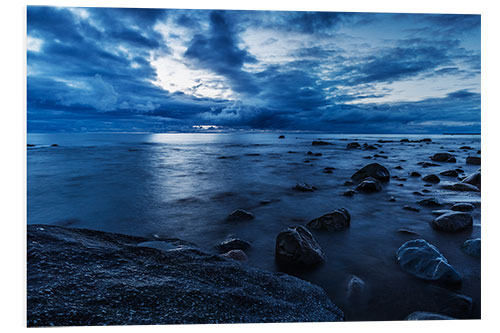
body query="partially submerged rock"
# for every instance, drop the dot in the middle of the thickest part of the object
(303, 187)
(415, 174)
(474, 179)
(349, 193)
(443, 157)
(474, 160)
(423, 260)
(431, 179)
(353, 145)
(452, 222)
(449, 173)
(238, 255)
(240, 215)
(296, 245)
(463, 207)
(410, 208)
(462, 187)
(336, 220)
(232, 244)
(430, 202)
(472, 247)
(321, 143)
(373, 170)
(369, 185)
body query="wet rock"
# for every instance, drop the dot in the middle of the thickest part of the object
(373, 170)
(443, 157)
(348, 183)
(303, 187)
(392, 199)
(473, 179)
(431, 179)
(452, 222)
(421, 315)
(474, 160)
(240, 215)
(427, 164)
(463, 207)
(423, 260)
(307, 161)
(410, 208)
(399, 167)
(296, 245)
(309, 153)
(440, 212)
(479, 152)
(459, 170)
(369, 185)
(318, 154)
(381, 156)
(404, 140)
(30, 145)
(349, 193)
(425, 190)
(355, 289)
(408, 232)
(426, 140)
(292, 152)
(232, 244)
(415, 174)
(281, 137)
(465, 147)
(238, 255)
(336, 220)
(327, 171)
(384, 141)
(472, 247)
(54, 145)
(369, 147)
(449, 173)
(417, 193)
(430, 202)
(353, 145)
(367, 157)
(462, 187)
(321, 143)
(428, 185)
(116, 282)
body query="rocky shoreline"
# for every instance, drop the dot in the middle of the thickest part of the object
(85, 277)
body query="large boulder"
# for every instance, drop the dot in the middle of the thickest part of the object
(452, 222)
(373, 170)
(424, 261)
(474, 160)
(474, 179)
(369, 185)
(472, 247)
(443, 157)
(336, 220)
(81, 277)
(296, 245)
(240, 215)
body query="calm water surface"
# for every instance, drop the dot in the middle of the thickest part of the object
(185, 185)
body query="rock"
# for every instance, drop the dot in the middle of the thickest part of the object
(353, 145)
(329, 168)
(449, 173)
(327, 171)
(463, 207)
(425, 190)
(415, 174)
(465, 147)
(349, 193)
(318, 154)
(479, 152)
(309, 153)
(238, 255)
(430, 202)
(369, 147)
(399, 167)
(232, 244)
(408, 232)
(304, 187)
(420, 315)
(404, 140)
(474, 160)
(462, 187)
(355, 289)
(426, 140)
(373, 170)
(384, 141)
(307, 161)
(392, 199)
(406, 207)
(443, 157)
(369, 185)
(431, 179)
(427, 164)
(54, 145)
(417, 193)
(472, 247)
(336, 220)
(473, 179)
(281, 137)
(367, 157)
(321, 143)
(459, 170)
(113, 281)
(452, 222)
(381, 156)
(424, 261)
(30, 145)
(240, 215)
(296, 245)
(440, 212)
(348, 183)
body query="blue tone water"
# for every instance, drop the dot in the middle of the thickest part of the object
(185, 185)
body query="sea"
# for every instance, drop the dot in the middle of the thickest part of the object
(184, 185)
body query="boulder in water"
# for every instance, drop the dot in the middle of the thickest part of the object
(320, 143)
(472, 247)
(423, 260)
(449, 173)
(232, 244)
(474, 179)
(373, 170)
(238, 255)
(430, 202)
(240, 215)
(431, 179)
(369, 185)
(462, 187)
(353, 145)
(336, 220)
(474, 160)
(452, 222)
(303, 187)
(443, 157)
(463, 207)
(296, 245)
(415, 174)
(281, 137)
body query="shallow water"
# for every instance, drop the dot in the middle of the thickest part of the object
(185, 185)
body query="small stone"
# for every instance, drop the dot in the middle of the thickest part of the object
(431, 179)
(369, 185)
(320, 143)
(281, 137)
(336, 220)
(415, 174)
(240, 215)
(303, 187)
(463, 207)
(349, 193)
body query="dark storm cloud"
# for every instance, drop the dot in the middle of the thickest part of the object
(93, 71)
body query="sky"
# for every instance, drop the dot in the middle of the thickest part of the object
(164, 70)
